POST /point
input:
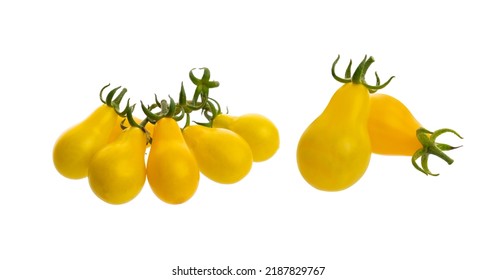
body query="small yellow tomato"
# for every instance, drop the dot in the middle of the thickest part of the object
(172, 170)
(75, 147)
(117, 172)
(393, 130)
(222, 155)
(259, 132)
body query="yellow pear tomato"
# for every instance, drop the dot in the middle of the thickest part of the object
(222, 155)
(392, 127)
(334, 151)
(117, 172)
(74, 149)
(259, 132)
(172, 171)
(393, 130)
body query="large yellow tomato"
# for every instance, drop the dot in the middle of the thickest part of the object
(259, 132)
(223, 156)
(172, 170)
(75, 147)
(117, 172)
(334, 151)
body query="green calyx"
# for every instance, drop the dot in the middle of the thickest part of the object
(203, 85)
(184, 107)
(431, 147)
(128, 112)
(167, 109)
(111, 101)
(358, 77)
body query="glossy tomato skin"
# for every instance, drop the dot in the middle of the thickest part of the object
(260, 133)
(334, 151)
(172, 170)
(74, 149)
(392, 127)
(222, 155)
(117, 172)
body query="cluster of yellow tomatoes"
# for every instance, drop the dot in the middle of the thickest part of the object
(109, 146)
(334, 151)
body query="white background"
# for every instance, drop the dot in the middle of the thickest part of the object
(272, 58)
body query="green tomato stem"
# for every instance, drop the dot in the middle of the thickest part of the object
(360, 71)
(431, 147)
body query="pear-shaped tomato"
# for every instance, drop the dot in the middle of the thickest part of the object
(334, 151)
(392, 127)
(222, 155)
(172, 170)
(75, 147)
(259, 132)
(117, 172)
(393, 130)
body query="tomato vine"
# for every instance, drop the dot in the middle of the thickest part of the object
(184, 107)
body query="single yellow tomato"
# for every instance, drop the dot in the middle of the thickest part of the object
(172, 171)
(117, 172)
(393, 130)
(260, 133)
(222, 155)
(75, 147)
(334, 151)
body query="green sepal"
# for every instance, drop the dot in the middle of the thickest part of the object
(152, 117)
(110, 95)
(358, 77)
(336, 77)
(206, 124)
(182, 96)
(431, 147)
(101, 93)
(203, 84)
(171, 108)
(129, 115)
